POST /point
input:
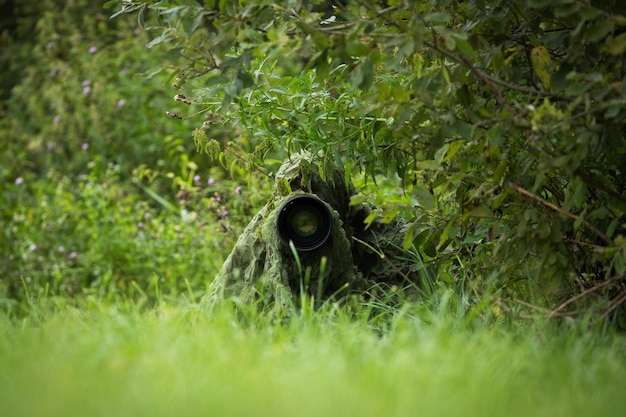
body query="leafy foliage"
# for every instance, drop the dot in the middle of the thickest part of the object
(502, 121)
(73, 97)
(100, 196)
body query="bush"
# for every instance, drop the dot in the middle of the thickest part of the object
(502, 123)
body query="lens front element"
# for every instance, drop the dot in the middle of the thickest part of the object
(304, 220)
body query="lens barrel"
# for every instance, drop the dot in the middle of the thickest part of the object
(304, 220)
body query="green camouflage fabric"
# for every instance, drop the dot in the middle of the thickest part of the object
(262, 269)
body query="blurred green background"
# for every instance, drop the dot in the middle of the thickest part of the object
(100, 192)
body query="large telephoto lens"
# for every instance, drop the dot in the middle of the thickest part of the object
(304, 220)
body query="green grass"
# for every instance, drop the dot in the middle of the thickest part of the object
(101, 360)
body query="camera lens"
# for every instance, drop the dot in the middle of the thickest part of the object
(304, 220)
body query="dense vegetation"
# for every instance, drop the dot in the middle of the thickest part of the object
(101, 194)
(495, 130)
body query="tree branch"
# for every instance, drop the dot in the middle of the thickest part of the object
(588, 291)
(558, 209)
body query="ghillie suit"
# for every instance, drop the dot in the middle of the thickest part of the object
(263, 268)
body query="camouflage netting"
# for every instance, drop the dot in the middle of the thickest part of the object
(261, 268)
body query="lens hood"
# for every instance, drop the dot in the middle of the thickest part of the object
(304, 220)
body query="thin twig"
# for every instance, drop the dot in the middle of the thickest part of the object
(558, 209)
(585, 293)
(615, 304)
(544, 310)
(382, 256)
(529, 91)
(581, 243)
(597, 184)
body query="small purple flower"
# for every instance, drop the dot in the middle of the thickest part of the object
(85, 83)
(196, 178)
(56, 119)
(140, 225)
(238, 190)
(50, 147)
(211, 181)
(225, 213)
(147, 216)
(49, 45)
(86, 90)
(32, 247)
(72, 255)
(93, 50)
(121, 102)
(19, 181)
(62, 249)
(85, 146)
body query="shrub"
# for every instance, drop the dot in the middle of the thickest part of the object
(503, 123)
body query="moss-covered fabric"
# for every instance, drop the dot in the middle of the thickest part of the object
(262, 269)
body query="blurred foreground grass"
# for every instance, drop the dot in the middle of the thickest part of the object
(102, 360)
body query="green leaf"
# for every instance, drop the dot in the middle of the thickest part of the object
(446, 232)
(363, 75)
(356, 48)
(540, 58)
(437, 18)
(453, 149)
(463, 129)
(599, 30)
(558, 80)
(566, 10)
(428, 165)
(110, 4)
(244, 79)
(408, 236)
(616, 46)
(619, 20)
(424, 198)
(357, 199)
(441, 153)
(430, 246)
(371, 217)
(590, 13)
(580, 192)
(465, 47)
(421, 237)
(579, 220)
(610, 231)
(156, 197)
(613, 111)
